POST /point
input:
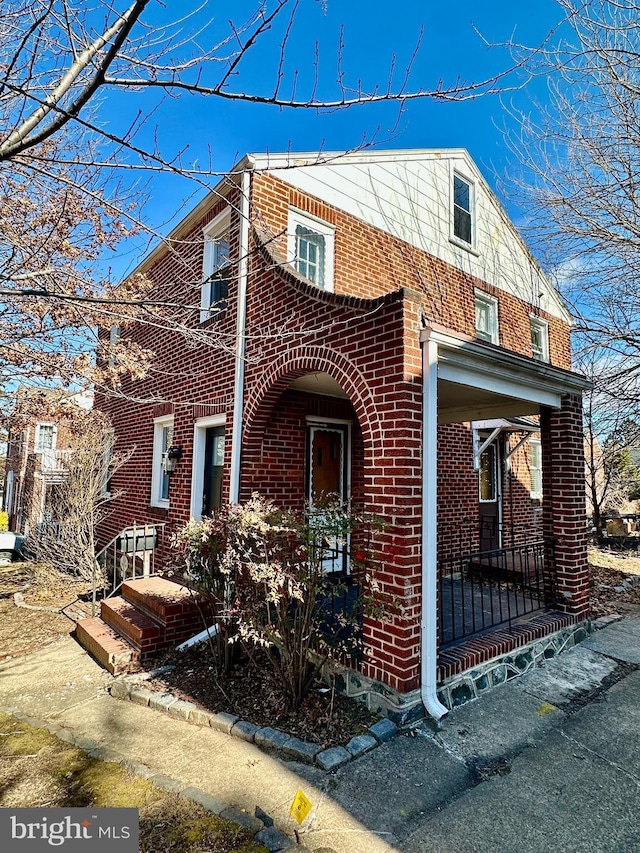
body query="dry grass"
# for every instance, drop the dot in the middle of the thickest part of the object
(609, 572)
(23, 630)
(37, 769)
(629, 564)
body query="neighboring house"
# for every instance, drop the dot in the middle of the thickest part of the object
(38, 444)
(372, 324)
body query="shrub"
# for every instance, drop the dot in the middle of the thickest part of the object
(4, 522)
(263, 570)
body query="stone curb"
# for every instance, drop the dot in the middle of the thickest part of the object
(131, 688)
(260, 824)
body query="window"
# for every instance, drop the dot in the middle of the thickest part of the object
(45, 437)
(114, 340)
(535, 467)
(162, 441)
(216, 270)
(539, 339)
(462, 209)
(488, 479)
(487, 318)
(310, 248)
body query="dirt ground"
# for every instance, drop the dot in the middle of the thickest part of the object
(615, 580)
(23, 630)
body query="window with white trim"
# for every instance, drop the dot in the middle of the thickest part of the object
(45, 437)
(535, 467)
(216, 268)
(486, 317)
(539, 339)
(310, 248)
(162, 441)
(487, 475)
(463, 197)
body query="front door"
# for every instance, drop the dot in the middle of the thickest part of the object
(213, 468)
(490, 497)
(328, 478)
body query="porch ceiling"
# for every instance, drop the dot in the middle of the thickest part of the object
(478, 381)
(457, 403)
(320, 383)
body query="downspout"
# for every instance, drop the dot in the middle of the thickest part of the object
(241, 319)
(429, 618)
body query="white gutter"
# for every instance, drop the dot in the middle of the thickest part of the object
(238, 388)
(429, 618)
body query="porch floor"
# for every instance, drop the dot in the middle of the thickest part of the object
(468, 608)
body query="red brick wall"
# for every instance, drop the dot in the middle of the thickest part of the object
(369, 262)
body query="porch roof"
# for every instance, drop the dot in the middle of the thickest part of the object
(479, 381)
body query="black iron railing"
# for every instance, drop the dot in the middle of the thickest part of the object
(487, 589)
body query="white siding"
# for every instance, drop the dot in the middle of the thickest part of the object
(408, 194)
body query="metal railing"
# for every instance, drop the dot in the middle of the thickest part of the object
(129, 555)
(486, 589)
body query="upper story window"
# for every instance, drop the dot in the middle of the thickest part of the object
(487, 317)
(539, 339)
(311, 247)
(162, 441)
(216, 269)
(463, 209)
(45, 437)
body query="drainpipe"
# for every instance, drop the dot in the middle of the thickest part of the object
(238, 388)
(429, 618)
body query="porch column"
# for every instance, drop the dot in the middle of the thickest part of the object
(563, 503)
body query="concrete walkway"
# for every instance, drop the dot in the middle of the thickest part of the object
(550, 761)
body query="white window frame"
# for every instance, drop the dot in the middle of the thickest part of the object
(536, 494)
(460, 241)
(54, 435)
(482, 298)
(318, 226)
(157, 474)
(197, 470)
(211, 235)
(543, 326)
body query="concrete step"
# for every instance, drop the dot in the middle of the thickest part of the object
(110, 650)
(170, 604)
(135, 626)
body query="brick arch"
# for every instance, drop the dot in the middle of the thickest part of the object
(298, 362)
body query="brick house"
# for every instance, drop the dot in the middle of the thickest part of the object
(39, 442)
(373, 324)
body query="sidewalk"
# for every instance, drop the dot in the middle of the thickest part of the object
(551, 760)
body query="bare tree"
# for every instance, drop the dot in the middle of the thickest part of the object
(581, 162)
(69, 181)
(611, 433)
(65, 538)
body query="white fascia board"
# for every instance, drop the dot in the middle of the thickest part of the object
(296, 159)
(468, 362)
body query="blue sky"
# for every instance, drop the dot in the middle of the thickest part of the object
(222, 131)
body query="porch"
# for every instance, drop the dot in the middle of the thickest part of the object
(486, 589)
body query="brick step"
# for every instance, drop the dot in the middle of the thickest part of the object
(140, 630)
(168, 603)
(109, 649)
